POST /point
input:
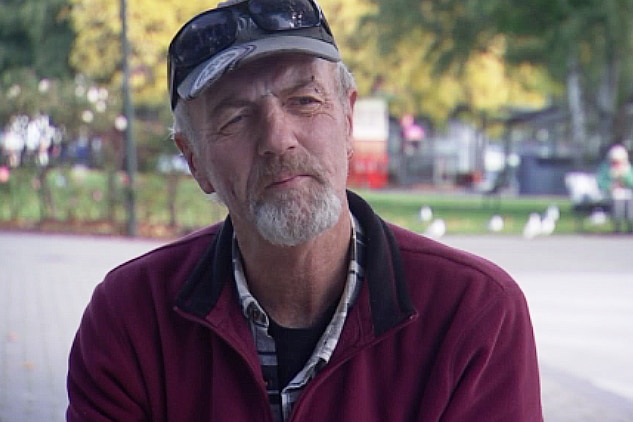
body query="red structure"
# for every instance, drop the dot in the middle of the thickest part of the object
(369, 165)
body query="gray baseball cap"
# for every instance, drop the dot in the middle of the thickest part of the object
(222, 39)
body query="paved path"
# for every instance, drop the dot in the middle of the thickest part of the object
(46, 282)
(580, 291)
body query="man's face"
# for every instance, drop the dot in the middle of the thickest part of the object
(273, 142)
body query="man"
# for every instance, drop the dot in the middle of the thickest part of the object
(303, 305)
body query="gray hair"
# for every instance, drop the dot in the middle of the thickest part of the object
(346, 82)
(183, 123)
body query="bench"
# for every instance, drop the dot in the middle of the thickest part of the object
(586, 197)
(491, 188)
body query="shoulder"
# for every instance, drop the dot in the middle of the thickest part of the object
(461, 295)
(433, 269)
(160, 272)
(423, 251)
(191, 244)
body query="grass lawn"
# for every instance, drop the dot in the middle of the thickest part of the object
(469, 213)
(81, 196)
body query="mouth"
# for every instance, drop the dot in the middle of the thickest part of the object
(287, 180)
(283, 174)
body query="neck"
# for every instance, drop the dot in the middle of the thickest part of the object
(296, 285)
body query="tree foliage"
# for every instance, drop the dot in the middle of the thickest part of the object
(35, 35)
(458, 53)
(407, 70)
(428, 57)
(151, 25)
(35, 42)
(584, 45)
(597, 35)
(424, 70)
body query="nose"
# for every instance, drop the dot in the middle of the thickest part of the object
(277, 133)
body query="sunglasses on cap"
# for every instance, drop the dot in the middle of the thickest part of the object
(217, 30)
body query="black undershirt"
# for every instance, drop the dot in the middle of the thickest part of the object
(295, 345)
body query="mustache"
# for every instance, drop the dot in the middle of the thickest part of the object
(267, 169)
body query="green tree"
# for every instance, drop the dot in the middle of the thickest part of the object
(584, 45)
(441, 56)
(35, 42)
(151, 25)
(96, 54)
(35, 34)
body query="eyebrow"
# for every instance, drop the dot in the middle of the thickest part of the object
(229, 103)
(304, 83)
(236, 102)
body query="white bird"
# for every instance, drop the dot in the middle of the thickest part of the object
(552, 212)
(548, 225)
(598, 218)
(533, 226)
(496, 223)
(426, 214)
(436, 229)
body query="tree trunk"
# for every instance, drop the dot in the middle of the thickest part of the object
(47, 207)
(607, 100)
(576, 109)
(111, 195)
(172, 189)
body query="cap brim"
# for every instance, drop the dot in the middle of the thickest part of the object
(208, 72)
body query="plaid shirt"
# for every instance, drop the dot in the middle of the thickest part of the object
(281, 401)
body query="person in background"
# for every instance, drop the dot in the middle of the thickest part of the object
(303, 305)
(615, 178)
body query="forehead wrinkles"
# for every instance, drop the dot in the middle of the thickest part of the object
(273, 75)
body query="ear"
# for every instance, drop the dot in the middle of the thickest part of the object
(187, 150)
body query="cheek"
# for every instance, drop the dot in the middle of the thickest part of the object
(339, 148)
(334, 159)
(229, 173)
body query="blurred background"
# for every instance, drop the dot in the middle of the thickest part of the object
(493, 99)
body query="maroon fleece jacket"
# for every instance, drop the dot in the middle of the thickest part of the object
(436, 334)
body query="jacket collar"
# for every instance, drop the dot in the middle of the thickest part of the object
(389, 299)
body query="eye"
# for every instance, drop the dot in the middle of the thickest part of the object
(307, 100)
(304, 103)
(234, 120)
(233, 123)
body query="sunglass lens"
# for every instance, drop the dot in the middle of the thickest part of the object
(204, 37)
(275, 15)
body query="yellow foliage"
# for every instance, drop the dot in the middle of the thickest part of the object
(151, 25)
(492, 85)
(487, 85)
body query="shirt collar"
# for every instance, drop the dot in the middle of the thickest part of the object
(251, 308)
